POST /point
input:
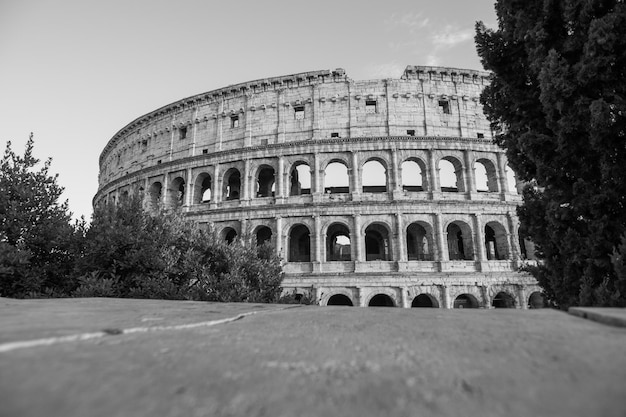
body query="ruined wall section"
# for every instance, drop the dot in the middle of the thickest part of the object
(426, 101)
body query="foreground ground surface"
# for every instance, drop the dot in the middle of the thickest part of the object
(164, 358)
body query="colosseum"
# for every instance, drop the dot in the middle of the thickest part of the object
(386, 192)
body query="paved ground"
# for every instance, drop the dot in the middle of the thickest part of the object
(272, 360)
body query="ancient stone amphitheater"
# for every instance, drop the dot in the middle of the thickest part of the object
(381, 192)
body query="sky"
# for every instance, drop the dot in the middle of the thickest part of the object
(74, 72)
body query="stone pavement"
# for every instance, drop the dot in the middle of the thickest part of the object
(169, 358)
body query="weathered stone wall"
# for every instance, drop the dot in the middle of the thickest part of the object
(242, 144)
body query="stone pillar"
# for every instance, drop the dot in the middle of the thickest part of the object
(442, 242)
(358, 239)
(479, 239)
(471, 175)
(445, 295)
(280, 180)
(165, 190)
(504, 185)
(355, 177)
(396, 170)
(521, 294)
(282, 111)
(247, 140)
(434, 183)
(405, 297)
(279, 237)
(247, 182)
(216, 192)
(514, 250)
(189, 188)
(400, 239)
(318, 176)
(319, 240)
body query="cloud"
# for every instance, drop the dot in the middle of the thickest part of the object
(413, 21)
(450, 37)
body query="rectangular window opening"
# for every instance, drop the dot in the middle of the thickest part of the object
(234, 121)
(334, 135)
(480, 135)
(299, 112)
(410, 132)
(445, 106)
(370, 106)
(182, 132)
(205, 151)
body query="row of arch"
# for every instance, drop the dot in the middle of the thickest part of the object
(420, 242)
(501, 300)
(336, 177)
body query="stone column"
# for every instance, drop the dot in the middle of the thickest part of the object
(279, 237)
(165, 190)
(355, 177)
(247, 182)
(319, 241)
(189, 188)
(247, 140)
(280, 180)
(441, 239)
(504, 185)
(281, 111)
(435, 188)
(405, 297)
(470, 179)
(445, 295)
(400, 239)
(479, 239)
(514, 250)
(396, 170)
(318, 176)
(216, 192)
(521, 294)
(358, 238)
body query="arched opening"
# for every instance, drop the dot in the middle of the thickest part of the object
(300, 179)
(460, 246)
(425, 300)
(377, 245)
(536, 300)
(419, 244)
(336, 179)
(299, 244)
(465, 301)
(450, 175)
(511, 180)
(229, 235)
(232, 184)
(374, 177)
(339, 300)
(263, 235)
(338, 243)
(176, 193)
(413, 176)
(503, 300)
(486, 177)
(381, 300)
(265, 181)
(203, 189)
(496, 241)
(154, 195)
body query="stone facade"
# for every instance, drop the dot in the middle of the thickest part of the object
(373, 192)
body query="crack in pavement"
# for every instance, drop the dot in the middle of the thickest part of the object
(10, 346)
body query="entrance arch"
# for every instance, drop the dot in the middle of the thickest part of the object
(381, 300)
(536, 300)
(299, 244)
(465, 301)
(503, 300)
(425, 300)
(377, 245)
(340, 300)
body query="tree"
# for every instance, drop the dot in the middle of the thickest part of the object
(557, 102)
(131, 253)
(36, 238)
